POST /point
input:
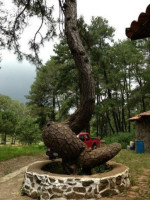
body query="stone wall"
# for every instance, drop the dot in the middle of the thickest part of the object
(142, 132)
(44, 186)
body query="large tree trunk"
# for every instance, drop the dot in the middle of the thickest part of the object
(80, 119)
(73, 151)
(61, 137)
(88, 159)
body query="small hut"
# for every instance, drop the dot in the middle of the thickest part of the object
(142, 128)
(140, 29)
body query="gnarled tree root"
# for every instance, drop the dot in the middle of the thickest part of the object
(73, 151)
(89, 159)
(60, 138)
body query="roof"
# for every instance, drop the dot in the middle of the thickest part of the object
(141, 28)
(137, 117)
(134, 118)
(145, 113)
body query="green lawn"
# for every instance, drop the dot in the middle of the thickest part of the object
(135, 161)
(7, 152)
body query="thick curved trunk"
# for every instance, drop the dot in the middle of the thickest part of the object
(80, 119)
(73, 151)
(61, 137)
(89, 159)
(62, 140)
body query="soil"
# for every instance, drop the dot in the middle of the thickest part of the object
(10, 187)
(14, 164)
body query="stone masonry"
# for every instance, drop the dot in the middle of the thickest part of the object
(45, 186)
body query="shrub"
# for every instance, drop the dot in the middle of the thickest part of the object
(122, 138)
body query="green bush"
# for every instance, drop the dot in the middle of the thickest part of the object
(122, 138)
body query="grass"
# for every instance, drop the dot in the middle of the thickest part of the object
(136, 163)
(23, 191)
(139, 166)
(8, 152)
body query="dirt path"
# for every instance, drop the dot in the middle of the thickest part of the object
(10, 187)
(14, 164)
(10, 183)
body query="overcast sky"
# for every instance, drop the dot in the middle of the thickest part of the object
(16, 78)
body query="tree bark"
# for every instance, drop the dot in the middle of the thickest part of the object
(79, 120)
(62, 140)
(73, 151)
(53, 108)
(61, 137)
(88, 159)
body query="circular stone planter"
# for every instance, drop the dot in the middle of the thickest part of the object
(42, 185)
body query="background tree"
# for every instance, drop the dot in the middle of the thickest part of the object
(7, 117)
(52, 97)
(43, 93)
(13, 116)
(7, 125)
(28, 131)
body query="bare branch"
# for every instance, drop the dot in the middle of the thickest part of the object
(61, 5)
